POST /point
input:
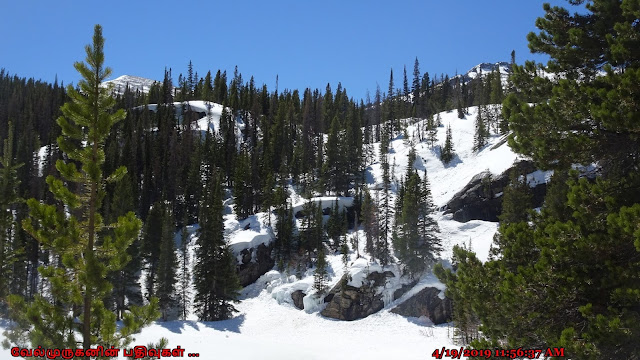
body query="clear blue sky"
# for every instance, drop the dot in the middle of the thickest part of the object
(306, 43)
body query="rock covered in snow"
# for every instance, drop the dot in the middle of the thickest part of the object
(346, 302)
(254, 263)
(481, 198)
(428, 303)
(298, 299)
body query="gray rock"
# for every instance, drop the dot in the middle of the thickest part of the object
(403, 289)
(249, 271)
(480, 199)
(426, 303)
(349, 303)
(297, 297)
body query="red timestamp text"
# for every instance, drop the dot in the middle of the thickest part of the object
(521, 353)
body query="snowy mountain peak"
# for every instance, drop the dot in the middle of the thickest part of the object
(135, 83)
(485, 68)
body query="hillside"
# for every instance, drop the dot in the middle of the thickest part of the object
(267, 318)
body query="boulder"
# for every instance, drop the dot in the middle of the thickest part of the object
(481, 198)
(346, 302)
(255, 263)
(426, 302)
(297, 297)
(403, 289)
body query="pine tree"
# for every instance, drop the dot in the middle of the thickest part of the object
(165, 286)
(320, 274)
(85, 254)
(151, 245)
(517, 200)
(370, 223)
(432, 130)
(384, 216)
(9, 184)
(481, 130)
(415, 88)
(416, 240)
(184, 275)
(570, 271)
(126, 286)
(242, 186)
(446, 152)
(215, 278)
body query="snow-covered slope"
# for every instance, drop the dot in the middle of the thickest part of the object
(504, 68)
(207, 114)
(135, 83)
(268, 326)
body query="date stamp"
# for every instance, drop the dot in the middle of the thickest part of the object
(520, 353)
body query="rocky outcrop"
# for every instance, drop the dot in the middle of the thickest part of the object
(427, 303)
(481, 199)
(403, 289)
(297, 297)
(255, 263)
(346, 302)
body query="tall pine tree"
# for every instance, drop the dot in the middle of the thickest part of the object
(86, 253)
(215, 278)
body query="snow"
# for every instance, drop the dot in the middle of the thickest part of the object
(248, 233)
(135, 83)
(446, 180)
(268, 326)
(325, 202)
(43, 152)
(539, 177)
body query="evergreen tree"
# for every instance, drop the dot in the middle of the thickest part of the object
(432, 130)
(517, 200)
(446, 151)
(568, 276)
(242, 186)
(384, 216)
(165, 286)
(320, 274)
(481, 131)
(151, 245)
(215, 278)
(415, 88)
(85, 255)
(370, 223)
(126, 286)
(184, 275)
(9, 184)
(415, 236)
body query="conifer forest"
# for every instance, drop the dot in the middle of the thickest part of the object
(497, 209)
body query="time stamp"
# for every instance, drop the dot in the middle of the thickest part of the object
(520, 353)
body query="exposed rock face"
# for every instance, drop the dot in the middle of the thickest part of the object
(352, 303)
(297, 297)
(481, 200)
(255, 265)
(403, 289)
(426, 303)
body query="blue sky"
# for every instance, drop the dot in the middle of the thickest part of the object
(305, 43)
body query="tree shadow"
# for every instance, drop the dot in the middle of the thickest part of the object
(177, 326)
(232, 325)
(436, 150)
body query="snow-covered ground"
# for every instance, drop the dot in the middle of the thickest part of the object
(268, 326)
